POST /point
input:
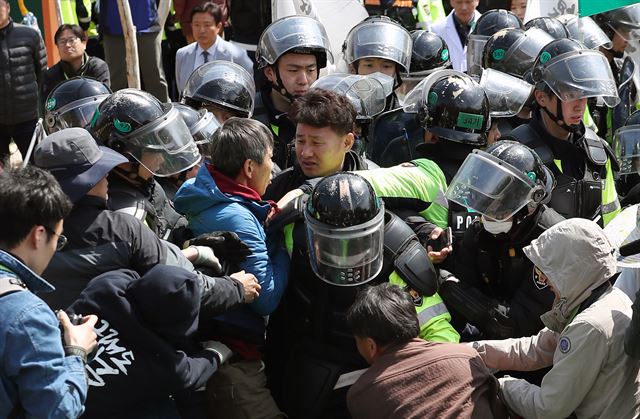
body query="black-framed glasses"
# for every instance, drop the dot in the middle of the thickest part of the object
(540, 280)
(62, 239)
(64, 41)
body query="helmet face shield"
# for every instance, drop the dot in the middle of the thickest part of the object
(164, 146)
(346, 256)
(375, 40)
(224, 83)
(417, 97)
(625, 21)
(580, 75)
(626, 146)
(523, 53)
(289, 33)
(587, 31)
(367, 94)
(507, 94)
(205, 128)
(475, 47)
(491, 187)
(76, 114)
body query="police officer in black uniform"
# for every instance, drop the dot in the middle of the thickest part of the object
(489, 23)
(395, 133)
(621, 26)
(157, 142)
(495, 297)
(343, 239)
(566, 73)
(71, 104)
(223, 88)
(290, 37)
(454, 110)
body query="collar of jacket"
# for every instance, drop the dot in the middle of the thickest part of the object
(7, 28)
(32, 280)
(68, 70)
(90, 201)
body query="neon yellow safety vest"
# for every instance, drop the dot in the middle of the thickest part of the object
(432, 313)
(429, 12)
(610, 204)
(69, 16)
(424, 182)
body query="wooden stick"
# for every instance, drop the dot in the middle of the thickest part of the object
(130, 44)
(163, 12)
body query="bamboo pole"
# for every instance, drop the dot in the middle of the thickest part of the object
(130, 43)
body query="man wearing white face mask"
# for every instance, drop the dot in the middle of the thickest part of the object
(491, 295)
(583, 342)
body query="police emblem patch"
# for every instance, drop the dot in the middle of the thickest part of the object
(564, 344)
(415, 296)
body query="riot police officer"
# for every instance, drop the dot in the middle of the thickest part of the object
(489, 23)
(454, 111)
(621, 26)
(550, 25)
(157, 142)
(347, 239)
(291, 52)
(202, 125)
(507, 184)
(566, 73)
(379, 44)
(395, 134)
(223, 88)
(73, 102)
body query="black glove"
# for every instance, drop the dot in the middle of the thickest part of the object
(225, 244)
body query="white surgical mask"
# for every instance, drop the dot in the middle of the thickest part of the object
(496, 227)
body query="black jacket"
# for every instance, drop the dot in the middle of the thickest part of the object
(146, 340)
(93, 67)
(23, 59)
(293, 177)
(100, 240)
(283, 129)
(497, 267)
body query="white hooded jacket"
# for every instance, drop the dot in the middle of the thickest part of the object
(591, 374)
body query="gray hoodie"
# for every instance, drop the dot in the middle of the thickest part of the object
(591, 374)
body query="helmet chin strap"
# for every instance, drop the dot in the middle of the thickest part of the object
(133, 176)
(279, 86)
(559, 120)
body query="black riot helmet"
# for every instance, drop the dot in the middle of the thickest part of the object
(571, 71)
(71, 103)
(136, 124)
(456, 108)
(487, 24)
(221, 84)
(513, 51)
(429, 53)
(626, 145)
(493, 20)
(345, 230)
(501, 180)
(625, 21)
(202, 124)
(550, 25)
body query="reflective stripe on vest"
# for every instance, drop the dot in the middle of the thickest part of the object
(428, 313)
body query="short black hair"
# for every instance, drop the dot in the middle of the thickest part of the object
(384, 313)
(321, 108)
(29, 197)
(211, 8)
(237, 140)
(76, 29)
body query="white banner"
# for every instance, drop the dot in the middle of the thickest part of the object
(551, 8)
(337, 16)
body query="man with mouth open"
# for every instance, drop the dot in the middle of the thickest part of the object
(566, 74)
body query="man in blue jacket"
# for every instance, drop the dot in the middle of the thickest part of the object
(41, 374)
(226, 195)
(149, 35)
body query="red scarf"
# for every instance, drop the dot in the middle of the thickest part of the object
(230, 186)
